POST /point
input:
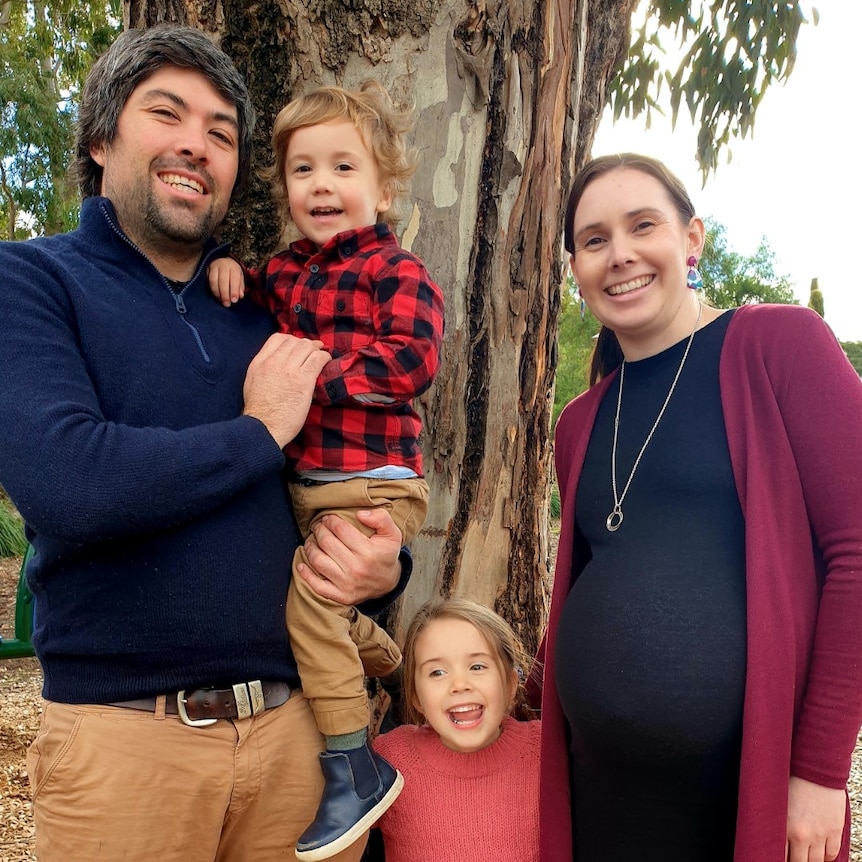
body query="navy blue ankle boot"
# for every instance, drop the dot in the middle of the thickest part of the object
(360, 786)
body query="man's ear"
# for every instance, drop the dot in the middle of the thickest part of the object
(97, 152)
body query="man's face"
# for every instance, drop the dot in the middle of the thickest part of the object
(172, 165)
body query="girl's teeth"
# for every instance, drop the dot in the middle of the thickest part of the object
(465, 715)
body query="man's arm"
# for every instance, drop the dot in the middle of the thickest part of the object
(80, 475)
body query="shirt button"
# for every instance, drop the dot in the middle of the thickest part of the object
(297, 308)
(341, 305)
(314, 267)
(348, 250)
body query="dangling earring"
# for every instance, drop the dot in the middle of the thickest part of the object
(582, 305)
(693, 279)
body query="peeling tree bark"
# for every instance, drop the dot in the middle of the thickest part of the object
(508, 95)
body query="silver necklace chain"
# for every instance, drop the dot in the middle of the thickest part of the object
(615, 519)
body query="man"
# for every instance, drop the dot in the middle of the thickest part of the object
(141, 428)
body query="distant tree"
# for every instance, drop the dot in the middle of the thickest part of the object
(577, 331)
(815, 300)
(853, 349)
(731, 279)
(45, 52)
(12, 540)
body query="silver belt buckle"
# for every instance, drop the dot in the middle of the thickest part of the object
(191, 722)
(249, 698)
(243, 702)
(256, 691)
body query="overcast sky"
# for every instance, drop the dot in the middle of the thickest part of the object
(796, 182)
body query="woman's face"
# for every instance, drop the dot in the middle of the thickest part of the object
(631, 249)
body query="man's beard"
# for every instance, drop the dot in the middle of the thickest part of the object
(163, 222)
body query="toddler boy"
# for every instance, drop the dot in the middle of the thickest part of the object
(340, 161)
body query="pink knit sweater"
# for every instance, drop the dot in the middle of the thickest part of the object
(482, 805)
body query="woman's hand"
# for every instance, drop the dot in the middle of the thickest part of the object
(815, 821)
(346, 565)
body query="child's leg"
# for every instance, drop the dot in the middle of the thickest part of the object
(378, 653)
(406, 500)
(359, 784)
(328, 661)
(331, 641)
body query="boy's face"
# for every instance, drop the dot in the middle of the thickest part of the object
(333, 182)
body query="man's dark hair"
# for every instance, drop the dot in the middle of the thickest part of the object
(131, 59)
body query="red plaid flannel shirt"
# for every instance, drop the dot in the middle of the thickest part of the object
(380, 315)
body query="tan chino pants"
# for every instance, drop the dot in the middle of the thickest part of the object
(120, 784)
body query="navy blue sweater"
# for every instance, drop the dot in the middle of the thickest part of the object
(162, 532)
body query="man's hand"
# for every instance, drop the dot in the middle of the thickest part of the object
(815, 821)
(348, 566)
(280, 381)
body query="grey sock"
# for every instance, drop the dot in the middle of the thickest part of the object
(347, 741)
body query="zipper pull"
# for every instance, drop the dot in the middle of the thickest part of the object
(181, 306)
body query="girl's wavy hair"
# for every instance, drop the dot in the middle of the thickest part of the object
(132, 58)
(504, 644)
(372, 111)
(607, 354)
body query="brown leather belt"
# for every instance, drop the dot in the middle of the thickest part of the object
(199, 707)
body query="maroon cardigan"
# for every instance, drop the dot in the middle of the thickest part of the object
(793, 413)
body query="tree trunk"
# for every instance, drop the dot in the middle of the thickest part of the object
(508, 95)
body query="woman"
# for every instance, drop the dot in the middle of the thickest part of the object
(703, 659)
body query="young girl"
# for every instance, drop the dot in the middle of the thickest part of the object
(471, 770)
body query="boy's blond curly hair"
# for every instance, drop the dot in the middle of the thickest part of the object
(372, 111)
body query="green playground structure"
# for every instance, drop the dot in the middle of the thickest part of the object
(20, 645)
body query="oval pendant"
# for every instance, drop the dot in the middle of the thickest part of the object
(614, 520)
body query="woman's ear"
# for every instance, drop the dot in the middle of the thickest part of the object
(696, 236)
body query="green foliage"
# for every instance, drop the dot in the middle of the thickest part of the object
(556, 504)
(732, 52)
(576, 339)
(731, 279)
(12, 541)
(815, 298)
(45, 53)
(853, 349)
